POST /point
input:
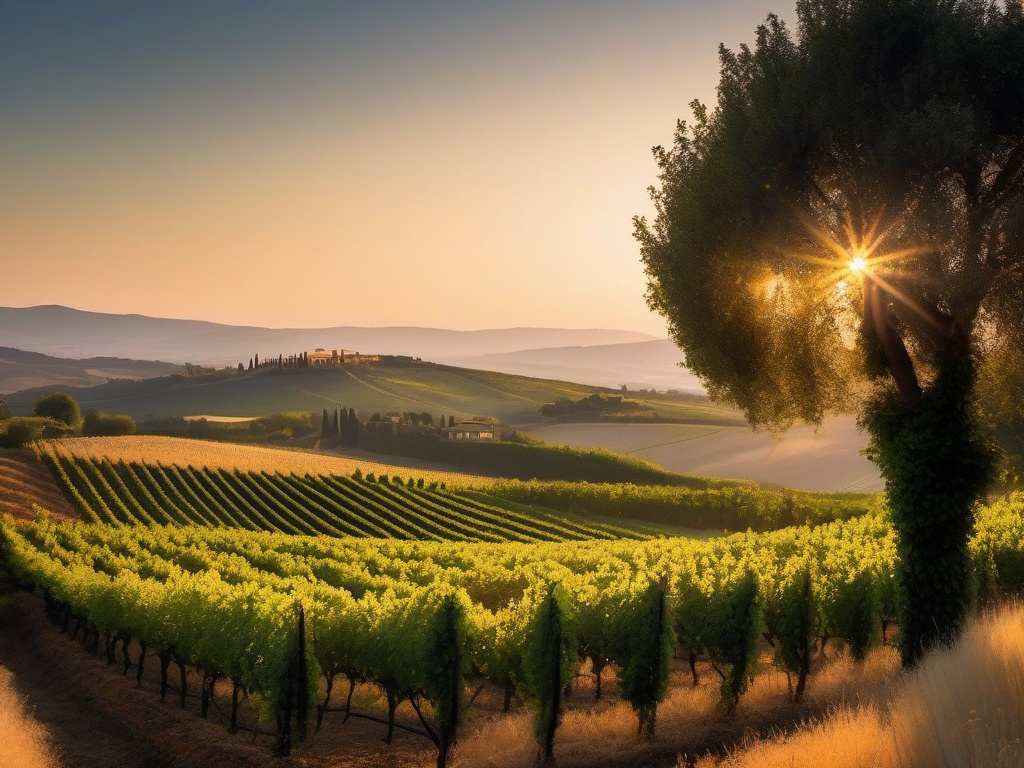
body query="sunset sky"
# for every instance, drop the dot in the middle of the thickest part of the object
(448, 164)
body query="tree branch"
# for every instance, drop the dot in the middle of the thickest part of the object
(896, 356)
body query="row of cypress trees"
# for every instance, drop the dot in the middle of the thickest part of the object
(344, 423)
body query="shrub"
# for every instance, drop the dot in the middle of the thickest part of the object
(60, 407)
(97, 424)
(19, 431)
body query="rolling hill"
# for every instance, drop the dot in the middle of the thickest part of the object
(406, 386)
(26, 370)
(827, 459)
(638, 365)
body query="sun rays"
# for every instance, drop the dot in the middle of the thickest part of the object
(862, 251)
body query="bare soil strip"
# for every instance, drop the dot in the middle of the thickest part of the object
(24, 481)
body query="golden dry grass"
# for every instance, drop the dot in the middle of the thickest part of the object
(183, 452)
(25, 742)
(689, 719)
(962, 707)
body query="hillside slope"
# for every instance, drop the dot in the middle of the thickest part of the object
(413, 386)
(829, 458)
(26, 370)
(639, 365)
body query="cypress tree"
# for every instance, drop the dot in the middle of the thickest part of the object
(325, 427)
(446, 674)
(548, 660)
(650, 641)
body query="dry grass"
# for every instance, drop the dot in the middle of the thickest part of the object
(962, 707)
(25, 742)
(183, 452)
(690, 720)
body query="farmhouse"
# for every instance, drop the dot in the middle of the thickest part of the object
(472, 431)
(322, 356)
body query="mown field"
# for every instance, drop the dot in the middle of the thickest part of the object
(416, 387)
(828, 459)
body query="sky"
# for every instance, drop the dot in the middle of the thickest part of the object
(448, 164)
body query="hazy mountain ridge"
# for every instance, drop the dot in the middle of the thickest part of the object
(72, 333)
(641, 364)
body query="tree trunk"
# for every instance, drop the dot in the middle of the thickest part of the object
(510, 690)
(327, 700)
(184, 681)
(348, 700)
(937, 462)
(392, 705)
(233, 727)
(165, 662)
(142, 659)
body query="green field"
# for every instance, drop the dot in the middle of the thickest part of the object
(413, 386)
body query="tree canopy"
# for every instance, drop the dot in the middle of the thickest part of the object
(59, 406)
(892, 130)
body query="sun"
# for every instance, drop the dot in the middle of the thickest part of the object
(858, 264)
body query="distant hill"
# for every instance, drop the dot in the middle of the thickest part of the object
(412, 386)
(638, 365)
(66, 332)
(26, 370)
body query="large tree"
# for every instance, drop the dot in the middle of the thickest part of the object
(844, 232)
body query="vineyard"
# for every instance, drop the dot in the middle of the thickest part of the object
(131, 493)
(282, 617)
(702, 503)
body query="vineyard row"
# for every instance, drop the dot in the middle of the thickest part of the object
(129, 493)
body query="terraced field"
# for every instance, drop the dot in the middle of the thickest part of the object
(24, 482)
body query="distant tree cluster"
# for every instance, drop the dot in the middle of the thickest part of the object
(96, 423)
(343, 425)
(595, 403)
(57, 415)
